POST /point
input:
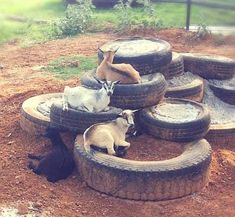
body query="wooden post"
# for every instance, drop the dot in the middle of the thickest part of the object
(188, 14)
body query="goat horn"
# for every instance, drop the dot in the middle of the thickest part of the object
(116, 50)
(99, 81)
(100, 50)
(116, 82)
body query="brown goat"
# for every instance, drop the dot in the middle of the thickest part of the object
(125, 73)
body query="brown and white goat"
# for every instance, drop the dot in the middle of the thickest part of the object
(107, 70)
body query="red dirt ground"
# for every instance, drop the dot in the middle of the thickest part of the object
(70, 197)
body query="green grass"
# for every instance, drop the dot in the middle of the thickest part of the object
(172, 15)
(65, 67)
(36, 9)
(40, 9)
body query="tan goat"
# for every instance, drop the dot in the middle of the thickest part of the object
(108, 134)
(125, 73)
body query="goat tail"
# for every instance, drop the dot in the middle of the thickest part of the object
(87, 144)
(87, 147)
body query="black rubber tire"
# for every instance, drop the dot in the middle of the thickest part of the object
(145, 180)
(225, 93)
(176, 66)
(132, 96)
(193, 91)
(78, 121)
(221, 134)
(147, 61)
(33, 121)
(179, 132)
(209, 66)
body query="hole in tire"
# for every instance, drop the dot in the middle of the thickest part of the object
(148, 148)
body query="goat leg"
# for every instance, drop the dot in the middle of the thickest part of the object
(52, 179)
(34, 168)
(65, 101)
(35, 157)
(124, 144)
(65, 106)
(110, 147)
(106, 109)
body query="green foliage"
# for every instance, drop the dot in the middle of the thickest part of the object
(128, 19)
(202, 31)
(65, 67)
(151, 20)
(76, 20)
(172, 15)
(124, 14)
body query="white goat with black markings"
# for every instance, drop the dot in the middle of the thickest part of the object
(125, 73)
(90, 100)
(109, 134)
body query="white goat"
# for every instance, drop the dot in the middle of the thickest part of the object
(125, 73)
(108, 134)
(90, 100)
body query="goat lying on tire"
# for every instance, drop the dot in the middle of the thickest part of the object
(125, 73)
(109, 134)
(90, 100)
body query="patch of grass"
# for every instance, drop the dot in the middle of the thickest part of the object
(69, 66)
(28, 32)
(166, 12)
(40, 9)
(170, 15)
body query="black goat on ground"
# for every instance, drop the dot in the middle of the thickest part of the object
(57, 164)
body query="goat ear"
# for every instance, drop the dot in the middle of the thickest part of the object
(99, 49)
(136, 110)
(120, 115)
(116, 82)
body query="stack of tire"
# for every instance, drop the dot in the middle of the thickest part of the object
(137, 180)
(131, 96)
(219, 73)
(149, 180)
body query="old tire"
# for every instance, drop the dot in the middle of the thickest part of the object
(209, 66)
(177, 131)
(33, 121)
(193, 91)
(132, 96)
(145, 180)
(221, 134)
(225, 92)
(146, 55)
(78, 121)
(176, 66)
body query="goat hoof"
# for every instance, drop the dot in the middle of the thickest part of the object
(31, 165)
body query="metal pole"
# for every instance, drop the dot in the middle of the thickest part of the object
(188, 14)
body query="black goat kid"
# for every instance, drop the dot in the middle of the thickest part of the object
(57, 164)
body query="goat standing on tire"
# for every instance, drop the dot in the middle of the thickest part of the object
(89, 100)
(109, 134)
(125, 73)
